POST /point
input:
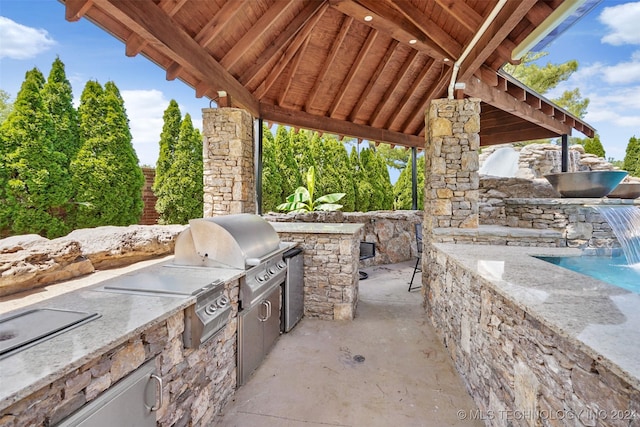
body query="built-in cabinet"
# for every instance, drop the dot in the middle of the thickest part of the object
(131, 402)
(258, 330)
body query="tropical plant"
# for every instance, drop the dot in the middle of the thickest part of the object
(302, 199)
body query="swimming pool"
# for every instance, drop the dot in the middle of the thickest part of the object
(613, 270)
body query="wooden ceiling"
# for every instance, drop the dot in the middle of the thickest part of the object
(320, 64)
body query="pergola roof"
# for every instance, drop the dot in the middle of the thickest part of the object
(360, 68)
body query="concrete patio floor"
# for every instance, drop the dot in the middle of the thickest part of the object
(385, 368)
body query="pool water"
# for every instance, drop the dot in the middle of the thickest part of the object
(613, 270)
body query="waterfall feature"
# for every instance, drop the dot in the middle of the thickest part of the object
(502, 162)
(625, 223)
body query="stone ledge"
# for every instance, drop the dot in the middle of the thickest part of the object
(31, 261)
(499, 231)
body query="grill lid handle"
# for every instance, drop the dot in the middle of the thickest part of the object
(252, 261)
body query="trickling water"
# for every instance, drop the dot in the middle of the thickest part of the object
(625, 223)
(556, 160)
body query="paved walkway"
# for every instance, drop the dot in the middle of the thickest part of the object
(385, 368)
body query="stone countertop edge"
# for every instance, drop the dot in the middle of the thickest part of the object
(541, 289)
(122, 317)
(317, 228)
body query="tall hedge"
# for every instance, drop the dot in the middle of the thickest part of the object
(271, 177)
(594, 146)
(632, 157)
(334, 173)
(291, 178)
(105, 172)
(402, 188)
(36, 184)
(168, 142)
(180, 197)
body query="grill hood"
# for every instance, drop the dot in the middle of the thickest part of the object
(237, 241)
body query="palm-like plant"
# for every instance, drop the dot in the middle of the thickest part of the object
(302, 199)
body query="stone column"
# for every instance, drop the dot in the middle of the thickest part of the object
(451, 167)
(229, 178)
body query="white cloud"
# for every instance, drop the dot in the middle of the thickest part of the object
(145, 109)
(622, 21)
(22, 42)
(623, 72)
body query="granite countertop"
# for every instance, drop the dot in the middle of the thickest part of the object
(122, 316)
(317, 228)
(602, 319)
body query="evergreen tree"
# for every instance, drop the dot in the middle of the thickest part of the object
(105, 172)
(402, 188)
(35, 181)
(333, 170)
(594, 146)
(271, 179)
(632, 157)
(289, 171)
(364, 189)
(180, 198)
(58, 98)
(168, 141)
(5, 105)
(383, 181)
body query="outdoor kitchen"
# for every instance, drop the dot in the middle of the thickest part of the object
(174, 336)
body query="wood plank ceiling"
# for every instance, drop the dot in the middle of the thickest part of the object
(366, 69)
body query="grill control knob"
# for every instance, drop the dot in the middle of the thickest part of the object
(210, 309)
(223, 301)
(281, 265)
(271, 270)
(260, 278)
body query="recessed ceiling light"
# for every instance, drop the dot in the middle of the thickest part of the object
(446, 59)
(413, 41)
(368, 18)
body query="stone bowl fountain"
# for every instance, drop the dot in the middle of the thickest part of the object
(585, 183)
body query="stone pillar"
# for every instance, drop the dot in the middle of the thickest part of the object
(228, 160)
(451, 169)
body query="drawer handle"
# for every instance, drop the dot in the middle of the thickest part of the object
(159, 388)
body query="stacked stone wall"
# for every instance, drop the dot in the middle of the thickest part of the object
(518, 370)
(330, 273)
(451, 164)
(392, 232)
(229, 179)
(197, 382)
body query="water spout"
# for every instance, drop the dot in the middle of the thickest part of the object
(625, 223)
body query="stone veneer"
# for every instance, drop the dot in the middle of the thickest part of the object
(519, 371)
(330, 267)
(197, 382)
(580, 224)
(229, 178)
(392, 232)
(451, 168)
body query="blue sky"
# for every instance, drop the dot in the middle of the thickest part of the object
(606, 44)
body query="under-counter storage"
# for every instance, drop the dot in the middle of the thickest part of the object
(130, 403)
(258, 330)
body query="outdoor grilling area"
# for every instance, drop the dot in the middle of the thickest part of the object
(175, 337)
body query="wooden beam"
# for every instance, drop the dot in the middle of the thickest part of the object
(461, 12)
(396, 27)
(505, 102)
(173, 71)
(374, 78)
(134, 45)
(150, 22)
(327, 64)
(508, 18)
(171, 7)
(425, 70)
(426, 25)
(340, 127)
(355, 67)
(297, 30)
(75, 9)
(214, 27)
(436, 91)
(400, 75)
(257, 31)
(515, 136)
(292, 71)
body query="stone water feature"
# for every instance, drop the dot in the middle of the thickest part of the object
(625, 223)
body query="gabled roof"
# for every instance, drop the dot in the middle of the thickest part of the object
(361, 68)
